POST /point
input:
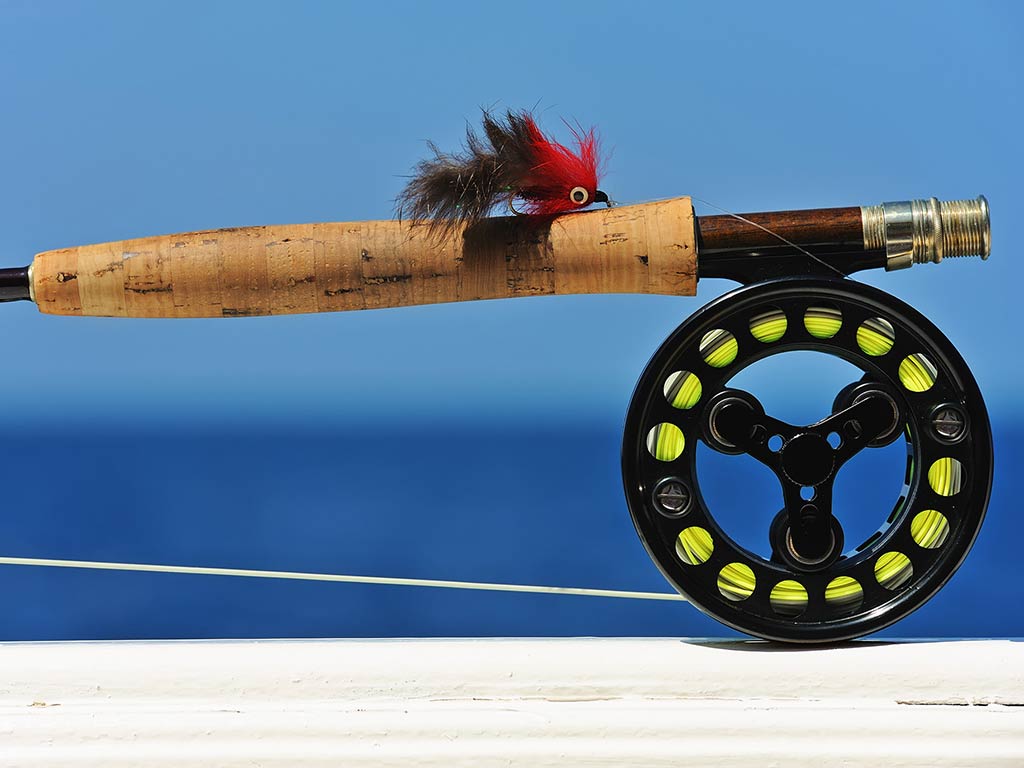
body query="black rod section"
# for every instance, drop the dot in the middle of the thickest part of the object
(752, 246)
(14, 284)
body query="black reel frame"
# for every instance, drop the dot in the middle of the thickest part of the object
(813, 589)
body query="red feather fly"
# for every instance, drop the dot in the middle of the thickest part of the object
(513, 160)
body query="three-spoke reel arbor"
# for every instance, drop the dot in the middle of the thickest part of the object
(816, 585)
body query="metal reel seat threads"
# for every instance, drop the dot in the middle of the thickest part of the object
(816, 587)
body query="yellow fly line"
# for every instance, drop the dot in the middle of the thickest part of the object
(875, 337)
(682, 389)
(823, 322)
(769, 326)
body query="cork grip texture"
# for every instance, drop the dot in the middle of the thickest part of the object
(330, 267)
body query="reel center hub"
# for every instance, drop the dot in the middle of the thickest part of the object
(808, 459)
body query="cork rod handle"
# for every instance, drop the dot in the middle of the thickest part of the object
(648, 248)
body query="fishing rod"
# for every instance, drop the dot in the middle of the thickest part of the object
(647, 248)
(813, 585)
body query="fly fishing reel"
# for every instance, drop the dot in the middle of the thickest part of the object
(812, 584)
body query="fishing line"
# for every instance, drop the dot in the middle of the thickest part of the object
(336, 577)
(763, 228)
(773, 234)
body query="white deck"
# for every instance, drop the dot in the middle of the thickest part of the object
(511, 702)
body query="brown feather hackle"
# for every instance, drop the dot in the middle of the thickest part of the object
(449, 191)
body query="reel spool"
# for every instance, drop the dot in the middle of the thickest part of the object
(815, 587)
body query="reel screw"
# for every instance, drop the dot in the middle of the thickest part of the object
(672, 497)
(949, 423)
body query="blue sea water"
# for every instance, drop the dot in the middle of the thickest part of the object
(458, 500)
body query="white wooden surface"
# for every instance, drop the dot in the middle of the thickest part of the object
(511, 702)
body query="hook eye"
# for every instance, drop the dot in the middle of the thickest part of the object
(512, 205)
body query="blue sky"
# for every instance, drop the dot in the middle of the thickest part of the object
(130, 119)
